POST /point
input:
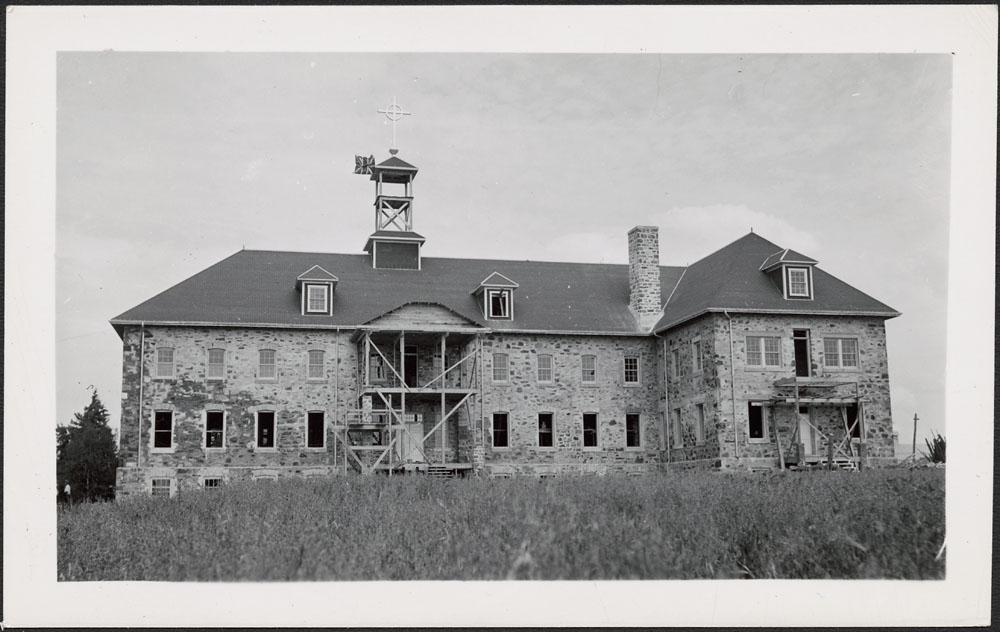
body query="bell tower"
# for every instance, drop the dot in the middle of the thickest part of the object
(394, 245)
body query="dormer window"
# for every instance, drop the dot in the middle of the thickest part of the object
(792, 272)
(315, 287)
(317, 298)
(798, 282)
(498, 302)
(497, 295)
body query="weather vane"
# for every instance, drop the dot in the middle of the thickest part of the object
(394, 113)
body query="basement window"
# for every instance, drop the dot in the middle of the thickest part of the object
(840, 353)
(161, 487)
(546, 431)
(501, 436)
(163, 431)
(212, 483)
(757, 424)
(215, 430)
(315, 430)
(165, 362)
(590, 430)
(633, 432)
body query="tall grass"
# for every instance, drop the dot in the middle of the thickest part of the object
(885, 524)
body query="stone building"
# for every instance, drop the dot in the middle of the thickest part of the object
(273, 364)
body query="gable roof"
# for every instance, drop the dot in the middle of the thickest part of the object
(316, 273)
(495, 280)
(786, 256)
(731, 279)
(251, 288)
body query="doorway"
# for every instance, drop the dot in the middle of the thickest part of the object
(410, 365)
(801, 339)
(807, 434)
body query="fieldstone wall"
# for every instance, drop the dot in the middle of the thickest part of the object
(644, 273)
(189, 394)
(567, 397)
(757, 383)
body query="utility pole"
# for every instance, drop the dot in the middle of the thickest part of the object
(915, 436)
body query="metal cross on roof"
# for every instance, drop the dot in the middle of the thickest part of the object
(394, 113)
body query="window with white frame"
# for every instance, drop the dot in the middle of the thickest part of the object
(590, 430)
(632, 370)
(546, 430)
(498, 304)
(589, 368)
(840, 353)
(633, 430)
(544, 367)
(315, 369)
(265, 430)
(699, 428)
(215, 429)
(501, 370)
(501, 431)
(764, 351)
(696, 355)
(161, 487)
(163, 430)
(678, 431)
(798, 282)
(317, 298)
(757, 423)
(266, 368)
(216, 364)
(315, 429)
(165, 362)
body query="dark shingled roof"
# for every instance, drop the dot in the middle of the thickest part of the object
(786, 256)
(731, 279)
(254, 287)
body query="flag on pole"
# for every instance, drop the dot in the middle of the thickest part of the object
(362, 165)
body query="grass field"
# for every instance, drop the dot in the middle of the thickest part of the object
(872, 524)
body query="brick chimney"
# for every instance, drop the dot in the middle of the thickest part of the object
(644, 274)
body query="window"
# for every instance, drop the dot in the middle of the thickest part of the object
(164, 362)
(544, 368)
(699, 429)
(212, 483)
(163, 429)
(501, 372)
(315, 430)
(498, 304)
(265, 430)
(678, 430)
(631, 370)
(215, 429)
(546, 432)
(798, 282)
(161, 487)
(590, 430)
(376, 368)
(589, 364)
(266, 370)
(757, 429)
(696, 356)
(633, 434)
(763, 351)
(216, 364)
(840, 353)
(315, 369)
(501, 438)
(317, 298)
(675, 363)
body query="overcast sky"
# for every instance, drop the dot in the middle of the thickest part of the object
(169, 162)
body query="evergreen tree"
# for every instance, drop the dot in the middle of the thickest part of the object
(86, 455)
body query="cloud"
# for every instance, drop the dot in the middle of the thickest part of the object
(253, 170)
